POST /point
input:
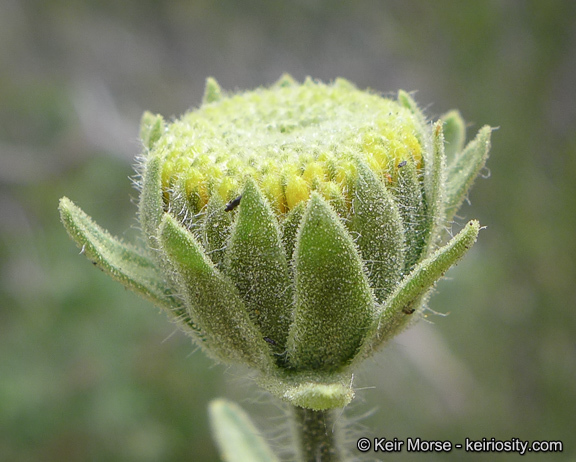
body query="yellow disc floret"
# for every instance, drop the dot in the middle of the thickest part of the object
(291, 138)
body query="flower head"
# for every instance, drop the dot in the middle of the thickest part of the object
(295, 228)
(291, 139)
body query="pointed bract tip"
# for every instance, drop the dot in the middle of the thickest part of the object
(453, 117)
(285, 80)
(151, 129)
(406, 99)
(237, 437)
(454, 133)
(212, 91)
(63, 202)
(343, 83)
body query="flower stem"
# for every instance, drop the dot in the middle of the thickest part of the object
(316, 435)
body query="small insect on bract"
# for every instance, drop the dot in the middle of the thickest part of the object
(233, 204)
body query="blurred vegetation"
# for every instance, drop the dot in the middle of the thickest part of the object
(90, 372)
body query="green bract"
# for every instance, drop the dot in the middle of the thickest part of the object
(294, 229)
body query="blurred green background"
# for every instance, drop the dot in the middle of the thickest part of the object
(89, 372)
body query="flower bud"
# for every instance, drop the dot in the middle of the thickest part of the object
(294, 229)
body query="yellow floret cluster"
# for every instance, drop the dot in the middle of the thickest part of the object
(292, 139)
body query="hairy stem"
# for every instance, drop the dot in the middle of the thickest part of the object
(316, 434)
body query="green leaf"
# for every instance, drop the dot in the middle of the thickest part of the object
(213, 302)
(434, 191)
(216, 230)
(237, 437)
(422, 126)
(380, 240)
(408, 102)
(285, 80)
(464, 169)
(290, 227)
(434, 175)
(212, 91)
(179, 205)
(124, 263)
(151, 205)
(454, 134)
(334, 303)
(256, 263)
(151, 128)
(408, 195)
(400, 307)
